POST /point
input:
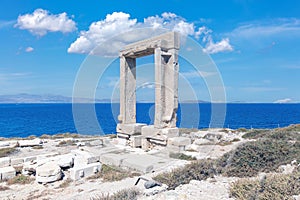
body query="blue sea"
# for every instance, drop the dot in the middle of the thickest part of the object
(21, 120)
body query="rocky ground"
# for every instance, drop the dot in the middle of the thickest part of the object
(68, 166)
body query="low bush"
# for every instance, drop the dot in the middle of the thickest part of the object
(111, 173)
(181, 156)
(20, 179)
(126, 194)
(197, 170)
(7, 151)
(275, 187)
(3, 188)
(264, 155)
(256, 133)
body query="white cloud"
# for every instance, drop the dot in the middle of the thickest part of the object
(268, 28)
(127, 30)
(40, 22)
(147, 85)
(4, 23)
(29, 49)
(287, 100)
(222, 46)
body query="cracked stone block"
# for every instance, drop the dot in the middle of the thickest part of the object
(77, 173)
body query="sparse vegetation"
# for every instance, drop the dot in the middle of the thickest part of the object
(256, 133)
(264, 155)
(181, 156)
(275, 186)
(243, 130)
(187, 130)
(38, 147)
(45, 136)
(3, 188)
(198, 170)
(126, 194)
(65, 183)
(111, 173)
(66, 135)
(7, 151)
(19, 179)
(66, 143)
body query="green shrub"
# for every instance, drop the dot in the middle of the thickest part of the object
(20, 179)
(111, 173)
(264, 155)
(7, 151)
(187, 130)
(275, 187)
(126, 194)
(242, 130)
(181, 156)
(256, 133)
(198, 170)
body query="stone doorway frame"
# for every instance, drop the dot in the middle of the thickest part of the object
(165, 48)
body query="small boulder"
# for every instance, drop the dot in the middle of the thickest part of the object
(96, 143)
(151, 183)
(48, 172)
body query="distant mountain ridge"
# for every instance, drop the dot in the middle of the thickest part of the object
(47, 98)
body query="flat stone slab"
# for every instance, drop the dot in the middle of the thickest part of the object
(4, 162)
(112, 159)
(7, 173)
(141, 163)
(30, 143)
(130, 129)
(84, 157)
(16, 161)
(179, 141)
(77, 173)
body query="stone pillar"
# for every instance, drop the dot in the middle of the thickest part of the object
(166, 88)
(127, 90)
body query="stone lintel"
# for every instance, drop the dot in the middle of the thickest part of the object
(146, 47)
(179, 141)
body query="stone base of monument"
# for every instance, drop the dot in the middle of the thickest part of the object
(130, 134)
(157, 136)
(178, 144)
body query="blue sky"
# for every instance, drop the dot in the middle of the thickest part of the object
(254, 44)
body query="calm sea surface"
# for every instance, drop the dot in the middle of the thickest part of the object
(36, 119)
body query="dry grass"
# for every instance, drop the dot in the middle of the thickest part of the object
(64, 143)
(126, 194)
(187, 130)
(197, 170)
(275, 187)
(20, 179)
(7, 151)
(264, 155)
(3, 188)
(181, 156)
(37, 147)
(66, 135)
(66, 183)
(111, 173)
